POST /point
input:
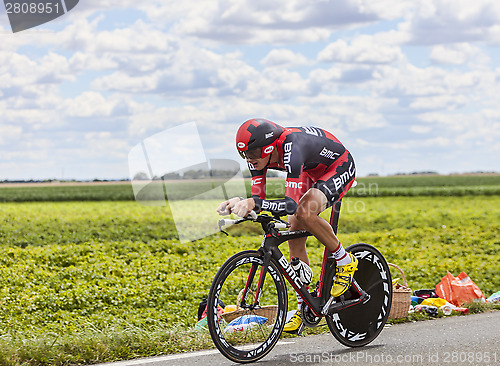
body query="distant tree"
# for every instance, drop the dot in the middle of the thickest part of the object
(172, 176)
(141, 176)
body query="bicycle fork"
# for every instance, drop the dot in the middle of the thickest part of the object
(260, 284)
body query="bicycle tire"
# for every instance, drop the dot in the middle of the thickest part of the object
(258, 340)
(360, 324)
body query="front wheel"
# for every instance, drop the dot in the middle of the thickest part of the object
(360, 324)
(247, 334)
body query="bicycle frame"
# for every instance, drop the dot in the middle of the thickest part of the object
(322, 303)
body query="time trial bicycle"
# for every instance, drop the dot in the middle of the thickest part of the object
(254, 281)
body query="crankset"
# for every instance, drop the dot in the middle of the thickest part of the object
(308, 318)
(335, 304)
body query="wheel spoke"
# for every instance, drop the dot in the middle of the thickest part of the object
(247, 334)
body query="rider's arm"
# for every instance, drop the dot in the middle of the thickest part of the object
(288, 205)
(294, 189)
(282, 207)
(258, 183)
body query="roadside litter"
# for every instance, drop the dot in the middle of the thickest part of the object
(449, 296)
(459, 290)
(236, 318)
(202, 314)
(244, 322)
(494, 298)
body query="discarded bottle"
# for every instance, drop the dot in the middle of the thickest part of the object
(464, 311)
(446, 309)
(304, 272)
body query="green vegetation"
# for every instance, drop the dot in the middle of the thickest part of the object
(56, 192)
(407, 185)
(86, 282)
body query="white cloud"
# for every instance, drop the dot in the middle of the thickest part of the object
(362, 50)
(279, 22)
(451, 21)
(388, 9)
(275, 84)
(441, 102)
(459, 54)
(283, 57)
(9, 133)
(420, 129)
(101, 82)
(93, 104)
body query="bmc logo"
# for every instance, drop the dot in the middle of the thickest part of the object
(294, 185)
(329, 154)
(241, 145)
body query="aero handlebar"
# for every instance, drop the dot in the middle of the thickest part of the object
(251, 217)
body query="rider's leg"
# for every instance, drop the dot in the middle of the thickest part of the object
(297, 249)
(297, 246)
(310, 205)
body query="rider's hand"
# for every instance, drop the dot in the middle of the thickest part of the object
(243, 207)
(226, 207)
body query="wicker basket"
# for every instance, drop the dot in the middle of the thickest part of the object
(269, 311)
(401, 298)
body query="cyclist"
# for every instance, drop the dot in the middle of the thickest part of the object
(319, 172)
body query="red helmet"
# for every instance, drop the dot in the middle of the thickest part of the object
(258, 136)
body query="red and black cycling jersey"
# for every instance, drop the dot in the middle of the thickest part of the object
(310, 156)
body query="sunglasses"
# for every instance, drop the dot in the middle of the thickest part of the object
(251, 154)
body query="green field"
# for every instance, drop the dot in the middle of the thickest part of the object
(84, 282)
(408, 185)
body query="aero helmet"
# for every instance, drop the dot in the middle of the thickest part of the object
(257, 136)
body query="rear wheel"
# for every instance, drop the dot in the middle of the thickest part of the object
(258, 329)
(360, 324)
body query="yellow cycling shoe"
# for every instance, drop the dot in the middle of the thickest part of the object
(344, 276)
(295, 324)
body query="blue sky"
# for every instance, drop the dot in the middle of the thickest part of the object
(405, 85)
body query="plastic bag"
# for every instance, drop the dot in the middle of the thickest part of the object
(246, 319)
(458, 290)
(245, 322)
(438, 302)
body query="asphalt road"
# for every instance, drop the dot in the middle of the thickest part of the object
(459, 340)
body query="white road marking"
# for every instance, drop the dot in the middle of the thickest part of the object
(177, 356)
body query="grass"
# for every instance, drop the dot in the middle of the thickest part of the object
(432, 185)
(90, 345)
(87, 282)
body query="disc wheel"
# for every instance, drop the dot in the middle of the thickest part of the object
(360, 324)
(251, 341)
